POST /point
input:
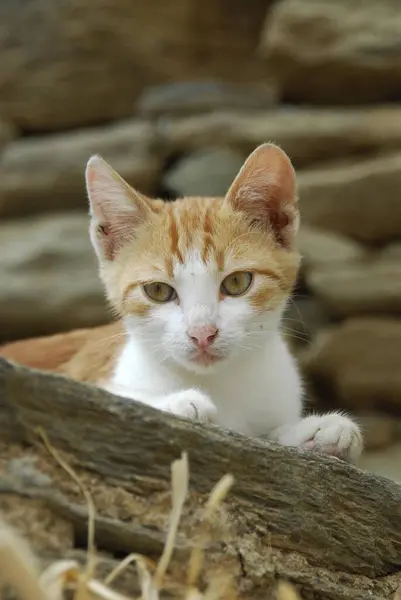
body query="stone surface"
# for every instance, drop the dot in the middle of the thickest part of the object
(351, 289)
(308, 135)
(360, 361)
(361, 200)
(385, 462)
(48, 277)
(66, 64)
(335, 52)
(7, 133)
(47, 173)
(379, 430)
(203, 97)
(320, 248)
(207, 172)
(390, 253)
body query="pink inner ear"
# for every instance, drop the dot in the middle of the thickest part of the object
(265, 190)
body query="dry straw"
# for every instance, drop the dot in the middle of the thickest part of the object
(19, 569)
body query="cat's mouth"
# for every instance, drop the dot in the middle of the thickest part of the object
(205, 358)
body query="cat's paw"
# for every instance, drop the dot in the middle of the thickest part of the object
(333, 434)
(192, 404)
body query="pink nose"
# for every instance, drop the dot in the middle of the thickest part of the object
(203, 336)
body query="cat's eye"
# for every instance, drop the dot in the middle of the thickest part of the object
(161, 292)
(237, 283)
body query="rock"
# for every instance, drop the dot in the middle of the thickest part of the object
(308, 135)
(321, 248)
(390, 253)
(351, 289)
(379, 430)
(385, 462)
(203, 97)
(359, 360)
(361, 200)
(7, 133)
(208, 172)
(47, 173)
(334, 52)
(48, 276)
(69, 64)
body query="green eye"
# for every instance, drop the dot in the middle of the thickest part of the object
(237, 283)
(161, 292)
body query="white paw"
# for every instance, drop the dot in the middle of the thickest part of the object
(332, 434)
(192, 404)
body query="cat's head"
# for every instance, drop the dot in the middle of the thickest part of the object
(199, 280)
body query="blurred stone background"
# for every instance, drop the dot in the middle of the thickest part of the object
(175, 95)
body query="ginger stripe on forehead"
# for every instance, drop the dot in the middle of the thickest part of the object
(191, 225)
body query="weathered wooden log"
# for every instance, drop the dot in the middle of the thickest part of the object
(332, 529)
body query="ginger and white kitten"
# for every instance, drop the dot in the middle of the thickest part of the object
(201, 285)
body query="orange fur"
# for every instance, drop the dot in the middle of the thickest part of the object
(80, 354)
(139, 240)
(95, 360)
(206, 224)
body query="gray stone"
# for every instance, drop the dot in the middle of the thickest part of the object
(47, 173)
(208, 172)
(194, 97)
(334, 52)
(48, 275)
(308, 135)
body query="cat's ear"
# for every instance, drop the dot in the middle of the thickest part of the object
(116, 209)
(265, 191)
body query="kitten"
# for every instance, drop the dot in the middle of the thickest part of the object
(201, 285)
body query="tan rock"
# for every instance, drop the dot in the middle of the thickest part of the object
(334, 52)
(361, 200)
(7, 133)
(320, 248)
(48, 277)
(379, 429)
(360, 362)
(390, 253)
(306, 134)
(384, 462)
(68, 64)
(352, 289)
(47, 173)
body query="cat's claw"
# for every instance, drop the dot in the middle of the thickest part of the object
(333, 434)
(193, 405)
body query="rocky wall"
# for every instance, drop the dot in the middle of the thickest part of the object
(322, 79)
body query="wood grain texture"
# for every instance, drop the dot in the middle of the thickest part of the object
(340, 526)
